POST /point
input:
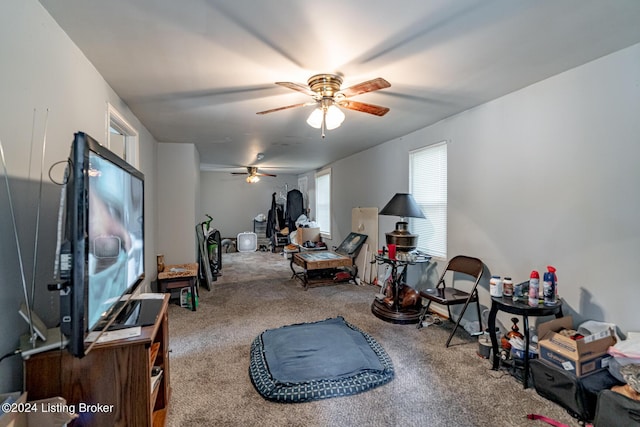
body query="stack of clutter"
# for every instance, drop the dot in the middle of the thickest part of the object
(531, 291)
(625, 365)
(517, 347)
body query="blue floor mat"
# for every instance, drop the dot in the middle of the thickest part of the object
(311, 361)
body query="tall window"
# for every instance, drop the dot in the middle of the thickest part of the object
(323, 202)
(428, 184)
(122, 138)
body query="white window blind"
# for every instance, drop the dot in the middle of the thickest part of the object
(428, 184)
(323, 202)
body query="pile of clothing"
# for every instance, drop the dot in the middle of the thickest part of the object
(625, 365)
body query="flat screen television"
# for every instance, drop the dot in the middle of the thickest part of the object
(102, 249)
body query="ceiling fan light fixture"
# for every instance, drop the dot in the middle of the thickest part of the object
(252, 179)
(331, 115)
(334, 117)
(315, 118)
(327, 95)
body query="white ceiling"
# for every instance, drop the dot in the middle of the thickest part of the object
(197, 71)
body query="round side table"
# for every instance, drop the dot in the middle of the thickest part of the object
(508, 305)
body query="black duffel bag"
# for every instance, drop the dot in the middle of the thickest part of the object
(616, 410)
(577, 395)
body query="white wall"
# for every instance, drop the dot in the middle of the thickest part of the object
(234, 204)
(43, 70)
(178, 187)
(545, 175)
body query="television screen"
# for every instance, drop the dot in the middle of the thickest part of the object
(102, 256)
(115, 252)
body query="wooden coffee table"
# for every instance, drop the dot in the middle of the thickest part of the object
(317, 263)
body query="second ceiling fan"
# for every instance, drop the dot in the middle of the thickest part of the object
(327, 96)
(254, 175)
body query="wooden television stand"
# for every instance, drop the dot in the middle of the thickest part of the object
(112, 383)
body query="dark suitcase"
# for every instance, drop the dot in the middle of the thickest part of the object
(616, 410)
(577, 395)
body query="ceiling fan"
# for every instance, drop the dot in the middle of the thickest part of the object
(327, 97)
(254, 175)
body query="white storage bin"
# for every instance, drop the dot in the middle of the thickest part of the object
(247, 242)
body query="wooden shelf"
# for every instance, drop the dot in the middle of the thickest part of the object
(154, 353)
(159, 418)
(116, 373)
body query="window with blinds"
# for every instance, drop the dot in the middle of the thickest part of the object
(323, 202)
(428, 184)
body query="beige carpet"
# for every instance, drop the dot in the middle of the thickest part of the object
(434, 386)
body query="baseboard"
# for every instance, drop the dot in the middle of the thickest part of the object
(439, 311)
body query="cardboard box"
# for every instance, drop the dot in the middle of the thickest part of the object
(13, 418)
(52, 412)
(582, 357)
(516, 353)
(307, 235)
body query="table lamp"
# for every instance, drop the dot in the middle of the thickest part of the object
(402, 205)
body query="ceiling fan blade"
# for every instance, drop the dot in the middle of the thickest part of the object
(252, 171)
(365, 108)
(297, 86)
(364, 87)
(304, 104)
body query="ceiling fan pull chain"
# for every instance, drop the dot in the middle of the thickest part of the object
(324, 120)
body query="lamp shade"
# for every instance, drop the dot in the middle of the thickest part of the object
(402, 205)
(334, 117)
(315, 118)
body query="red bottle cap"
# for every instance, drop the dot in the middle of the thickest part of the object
(534, 275)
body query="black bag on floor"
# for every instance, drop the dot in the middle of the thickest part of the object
(616, 410)
(577, 395)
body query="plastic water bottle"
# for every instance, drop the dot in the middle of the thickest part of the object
(549, 286)
(534, 286)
